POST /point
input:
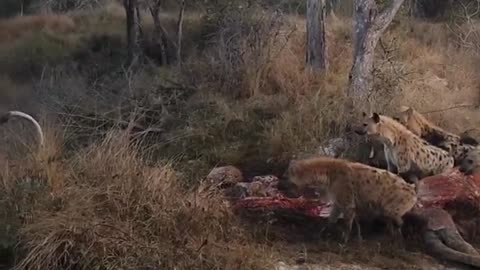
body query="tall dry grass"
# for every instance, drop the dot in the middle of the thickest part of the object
(441, 78)
(112, 211)
(20, 26)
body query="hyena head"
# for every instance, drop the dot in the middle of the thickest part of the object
(369, 124)
(404, 115)
(469, 164)
(410, 119)
(294, 176)
(303, 175)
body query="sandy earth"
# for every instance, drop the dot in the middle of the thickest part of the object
(343, 266)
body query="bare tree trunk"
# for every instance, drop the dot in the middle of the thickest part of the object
(180, 33)
(413, 10)
(139, 23)
(129, 6)
(160, 34)
(369, 25)
(316, 43)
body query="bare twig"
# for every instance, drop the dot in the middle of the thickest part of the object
(161, 35)
(452, 108)
(180, 33)
(466, 30)
(129, 6)
(389, 59)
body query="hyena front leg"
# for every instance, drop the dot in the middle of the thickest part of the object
(390, 156)
(335, 214)
(349, 216)
(359, 232)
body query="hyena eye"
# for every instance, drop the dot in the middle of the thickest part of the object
(470, 161)
(364, 124)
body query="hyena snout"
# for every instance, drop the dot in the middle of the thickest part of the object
(465, 170)
(466, 167)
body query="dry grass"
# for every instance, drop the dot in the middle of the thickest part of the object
(441, 75)
(21, 26)
(113, 211)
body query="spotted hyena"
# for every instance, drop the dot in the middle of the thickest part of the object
(413, 157)
(457, 146)
(356, 189)
(470, 164)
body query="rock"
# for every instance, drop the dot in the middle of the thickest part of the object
(256, 189)
(336, 266)
(261, 189)
(238, 191)
(226, 175)
(334, 147)
(264, 186)
(253, 189)
(260, 186)
(421, 263)
(267, 179)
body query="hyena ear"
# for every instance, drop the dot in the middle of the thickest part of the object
(468, 140)
(376, 118)
(409, 111)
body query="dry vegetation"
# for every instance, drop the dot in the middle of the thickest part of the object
(111, 210)
(97, 198)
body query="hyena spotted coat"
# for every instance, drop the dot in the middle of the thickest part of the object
(410, 154)
(356, 189)
(457, 146)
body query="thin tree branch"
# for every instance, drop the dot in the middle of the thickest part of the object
(452, 108)
(180, 33)
(385, 18)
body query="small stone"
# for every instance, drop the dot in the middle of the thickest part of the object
(256, 189)
(238, 191)
(333, 148)
(227, 175)
(269, 179)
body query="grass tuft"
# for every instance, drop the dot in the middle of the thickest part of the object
(116, 212)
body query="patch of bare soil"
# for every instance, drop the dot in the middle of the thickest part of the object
(419, 261)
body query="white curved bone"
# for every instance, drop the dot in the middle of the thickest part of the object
(23, 115)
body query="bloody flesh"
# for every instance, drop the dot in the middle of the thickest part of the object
(439, 191)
